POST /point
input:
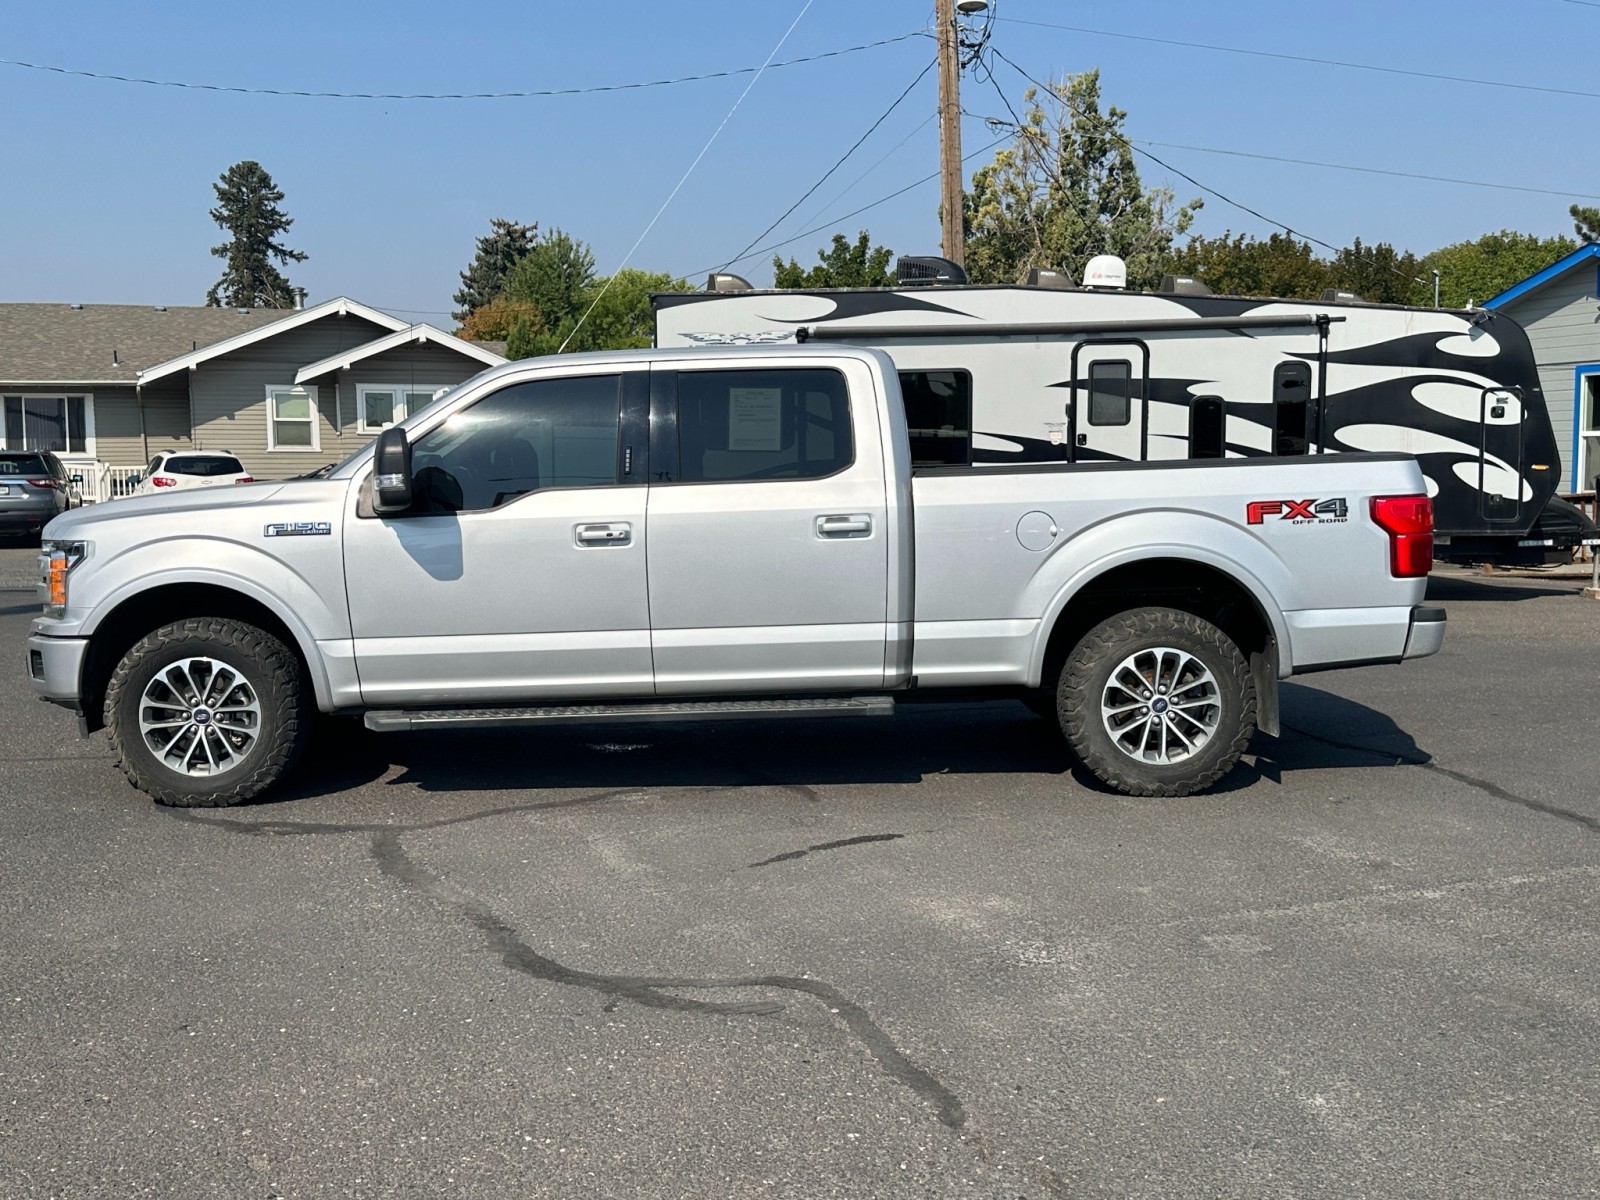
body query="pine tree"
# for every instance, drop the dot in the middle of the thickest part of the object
(247, 207)
(506, 244)
(1586, 222)
(1066, 189)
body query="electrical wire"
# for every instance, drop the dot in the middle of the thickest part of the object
(575, 91)
(600, 295)
(834, 221)
(1306, 162)
(921, 75)
(892, 151)
(1301, 58)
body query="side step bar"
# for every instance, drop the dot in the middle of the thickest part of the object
(404, 720)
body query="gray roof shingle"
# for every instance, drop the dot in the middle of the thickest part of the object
(57, 343)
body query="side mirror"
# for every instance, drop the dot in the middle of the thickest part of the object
(391, 473)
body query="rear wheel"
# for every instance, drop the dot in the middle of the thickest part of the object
(207, 712)
(1157, 702)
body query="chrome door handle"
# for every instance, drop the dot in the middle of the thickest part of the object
(618, 533)
(844, 526)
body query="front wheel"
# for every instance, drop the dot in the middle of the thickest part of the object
(207, 712)
(1157, 702)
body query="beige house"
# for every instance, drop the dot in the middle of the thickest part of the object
(106, 386)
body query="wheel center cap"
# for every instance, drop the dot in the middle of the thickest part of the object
(201, 716)
(1159, 706)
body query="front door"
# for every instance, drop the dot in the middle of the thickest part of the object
(519, 571)
(768, 538)
(1109, 407)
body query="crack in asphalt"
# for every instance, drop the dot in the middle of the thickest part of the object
(791, 855)
(650, 991)
(1582, 820)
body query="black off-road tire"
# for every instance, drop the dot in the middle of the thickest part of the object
(272, 671)
(1087, 673)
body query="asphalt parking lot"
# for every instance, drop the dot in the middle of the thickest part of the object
(906, 957)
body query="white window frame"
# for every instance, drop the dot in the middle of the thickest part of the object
(1586, 433)
(272, 419)
(401, 409)
(88, 450)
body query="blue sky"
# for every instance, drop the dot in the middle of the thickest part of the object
(108, 184)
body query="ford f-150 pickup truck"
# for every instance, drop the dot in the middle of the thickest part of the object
(725, 533)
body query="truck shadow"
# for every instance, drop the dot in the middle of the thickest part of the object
(1456, 587)
(1321, 731)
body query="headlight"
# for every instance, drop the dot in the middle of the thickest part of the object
(56, 560)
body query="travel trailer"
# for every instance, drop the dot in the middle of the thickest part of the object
(1054, 373)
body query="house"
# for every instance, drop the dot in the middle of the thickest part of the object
(106, 386)
(1560, 309)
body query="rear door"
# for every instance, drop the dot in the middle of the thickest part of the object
(1499, 467)
(767, 559)
(1110, 411)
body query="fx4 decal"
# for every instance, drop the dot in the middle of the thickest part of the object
(1300, 511)
(297, 529)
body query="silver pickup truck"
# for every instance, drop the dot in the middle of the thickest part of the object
(735, 533)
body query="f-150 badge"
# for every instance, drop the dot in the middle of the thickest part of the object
(297, 529)
(1302, 511)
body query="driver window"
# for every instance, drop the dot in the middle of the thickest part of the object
(547, 433)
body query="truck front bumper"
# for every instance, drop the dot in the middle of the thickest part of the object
(1427, 632)
(55, 668)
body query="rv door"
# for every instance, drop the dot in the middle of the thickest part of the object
(1500, 467)
(1109, 409)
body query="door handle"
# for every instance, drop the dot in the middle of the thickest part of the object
(854, 525)
(618, 533)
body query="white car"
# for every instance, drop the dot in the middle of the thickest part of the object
(189, 469)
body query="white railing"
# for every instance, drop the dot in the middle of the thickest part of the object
(101, 481)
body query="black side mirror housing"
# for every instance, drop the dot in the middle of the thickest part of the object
(391, 473)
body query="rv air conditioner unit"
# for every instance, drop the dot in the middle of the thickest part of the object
(1183, 285)
(1340, 296)
(1043, 277)
(927, 271)
(720, 281)
(1105, 271)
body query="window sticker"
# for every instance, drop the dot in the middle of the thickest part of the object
(755, 419)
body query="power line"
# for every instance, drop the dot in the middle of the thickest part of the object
(834, 221)
(1306, 162)
(715, 133)
(1110, 131)
(921, 75)
(1322, 62)
(575, 91)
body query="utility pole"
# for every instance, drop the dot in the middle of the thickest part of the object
(950, 207)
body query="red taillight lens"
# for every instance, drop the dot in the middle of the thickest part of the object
(244, 479)
(43, 483)
(163, 481)
(1408, 520)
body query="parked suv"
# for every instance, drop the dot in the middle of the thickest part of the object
(191, 468)
(34, 487)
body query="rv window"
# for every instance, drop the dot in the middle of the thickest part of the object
(1291, 401)
(1206, 419)
(1109, 388)
(791, 423)
(939, 414)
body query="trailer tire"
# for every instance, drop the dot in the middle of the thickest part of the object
(207, 712)
(1156, 702)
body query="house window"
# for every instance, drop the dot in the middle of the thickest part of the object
(47, 423)
(292, 419)
(1588, 427)
(380, 405)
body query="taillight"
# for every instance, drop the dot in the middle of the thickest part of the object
(1408, 520)
(244, 479)
(44, 483)
(163, 481)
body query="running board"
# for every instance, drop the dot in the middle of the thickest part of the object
(404, 720)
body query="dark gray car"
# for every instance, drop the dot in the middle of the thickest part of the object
(34, 487)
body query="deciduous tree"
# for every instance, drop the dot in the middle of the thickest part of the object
(844, 264)
(553, 276)
(247, 207)
(1477, 270)
(1066, 189)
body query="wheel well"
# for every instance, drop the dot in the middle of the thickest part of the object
(139, 615)
(1163, 583)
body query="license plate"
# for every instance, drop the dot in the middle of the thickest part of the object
(5, 489)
